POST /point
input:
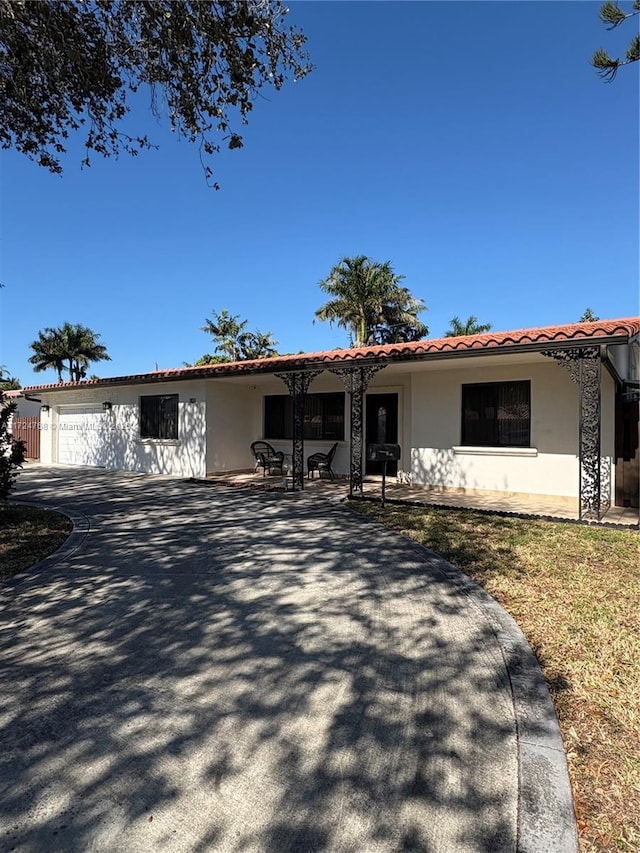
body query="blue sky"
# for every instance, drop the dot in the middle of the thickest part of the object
(471, 144)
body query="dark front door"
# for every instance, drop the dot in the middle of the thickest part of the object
(381, 428)
(627, 470)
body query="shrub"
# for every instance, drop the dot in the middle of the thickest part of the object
(11, 450)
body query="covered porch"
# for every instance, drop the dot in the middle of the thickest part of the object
(564, 468)
(541, 506)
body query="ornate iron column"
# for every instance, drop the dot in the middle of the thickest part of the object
(356, 381)
(298, 384)
(583, 365)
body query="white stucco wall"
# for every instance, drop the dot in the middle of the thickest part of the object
(551, 468)
(46, 438)
(113, 439)
(232, 424)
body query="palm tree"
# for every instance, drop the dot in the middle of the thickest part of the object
(81, 349)
(370, 303)
(8, 382)
(401, 324)
(72, 347)
(257, 345)
(230, 338)
(226, 331)
(470, 326)
(48, 352)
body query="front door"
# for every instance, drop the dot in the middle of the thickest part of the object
(627, 462)
(381, 427)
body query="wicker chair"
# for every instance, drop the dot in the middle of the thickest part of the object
(322, 462)
(267, 458)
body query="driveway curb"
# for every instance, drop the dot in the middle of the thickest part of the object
(546, 816)
(80, 529)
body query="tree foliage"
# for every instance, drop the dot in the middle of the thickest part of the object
(258, 345)
(69, 65)
(8, 382)
(369, 301)
(588, 316)
(12, 451)
(612, 15)
(233, 342)
(207, 359)
(72, 347)
(470, 326)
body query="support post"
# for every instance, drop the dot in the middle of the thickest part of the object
(356, 381)
(584, 367)
(298, 384)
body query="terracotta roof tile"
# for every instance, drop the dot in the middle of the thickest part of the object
(504, 341)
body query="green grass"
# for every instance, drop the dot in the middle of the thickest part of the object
(575, 592)
(27, 535)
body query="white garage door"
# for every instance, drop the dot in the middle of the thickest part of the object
(80, 435)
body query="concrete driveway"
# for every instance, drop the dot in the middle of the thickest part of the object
(207, 669)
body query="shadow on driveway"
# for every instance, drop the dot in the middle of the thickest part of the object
(216, 670)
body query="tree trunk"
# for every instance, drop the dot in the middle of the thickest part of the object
(362, 334)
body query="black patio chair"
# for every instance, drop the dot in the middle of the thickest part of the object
(322, 462)
(267, 458)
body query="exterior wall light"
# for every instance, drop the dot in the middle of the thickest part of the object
(107, 406)
(44, 408)
(192, 400)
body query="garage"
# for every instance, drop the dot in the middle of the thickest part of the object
(80, 431)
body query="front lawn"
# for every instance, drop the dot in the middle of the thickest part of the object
(575, 593)
(27, 535)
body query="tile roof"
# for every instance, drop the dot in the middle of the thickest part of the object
(609, 331)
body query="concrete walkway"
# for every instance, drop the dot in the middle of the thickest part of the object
(218, 670)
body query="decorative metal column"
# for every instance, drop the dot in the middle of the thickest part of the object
(583, 364)
(356, 381)
(298, 385)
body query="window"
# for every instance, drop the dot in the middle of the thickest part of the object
(159, 416)
(496, 414)
(323, 416)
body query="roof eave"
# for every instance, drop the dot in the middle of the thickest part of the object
(275, 365)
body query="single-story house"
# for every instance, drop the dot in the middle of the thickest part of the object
(547, 411)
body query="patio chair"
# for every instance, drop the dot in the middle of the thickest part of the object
(267, 458)
(322, 462)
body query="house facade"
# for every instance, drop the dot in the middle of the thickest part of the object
(549, 411)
